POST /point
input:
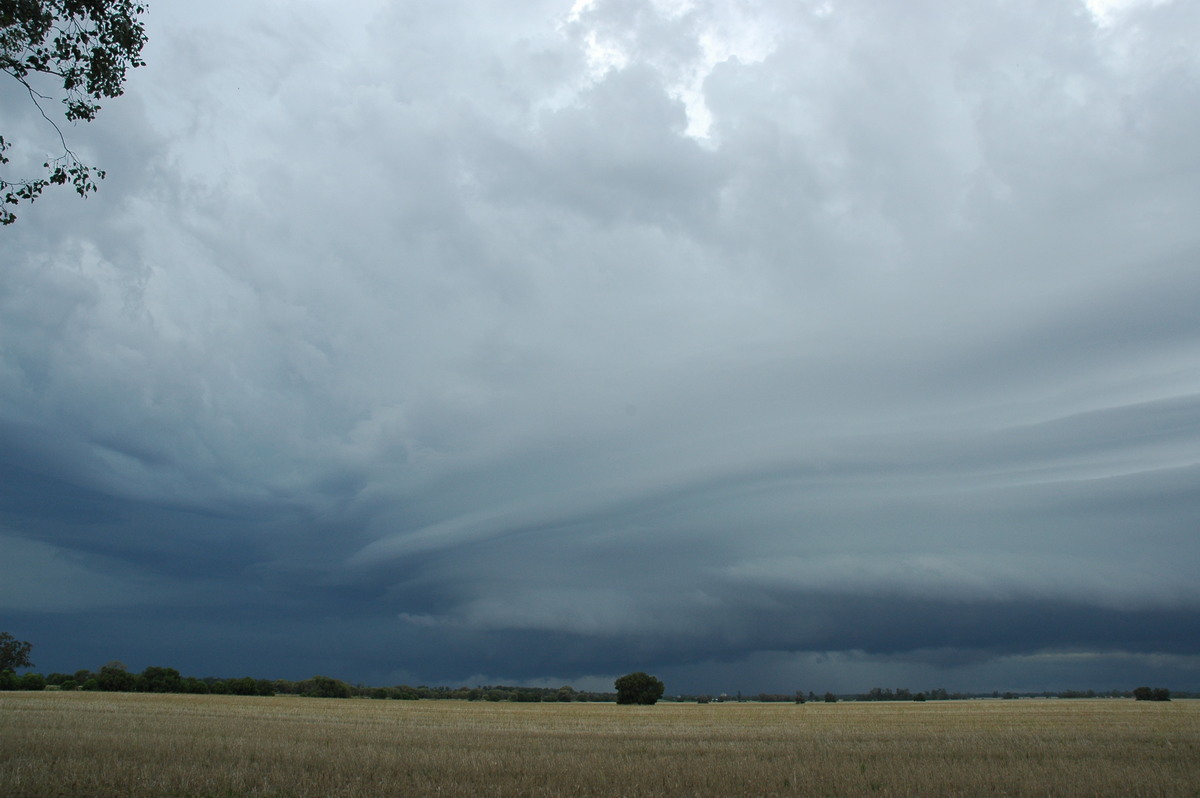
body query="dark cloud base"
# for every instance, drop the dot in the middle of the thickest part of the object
(923, 636)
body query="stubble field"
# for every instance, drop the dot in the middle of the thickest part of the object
(95, 744)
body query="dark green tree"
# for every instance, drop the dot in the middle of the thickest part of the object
(638, 688)
(14, 653)
(326, 687)
(32, 681)
(161, 680)
(191, 684)
(115, 678)
(76, 51)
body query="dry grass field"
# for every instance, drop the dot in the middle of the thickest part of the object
(95, 744)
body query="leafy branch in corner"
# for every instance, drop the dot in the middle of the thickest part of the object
(88, 46)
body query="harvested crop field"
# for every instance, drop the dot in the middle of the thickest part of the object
(99, 744)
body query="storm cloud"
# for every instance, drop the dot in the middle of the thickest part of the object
(762, 345)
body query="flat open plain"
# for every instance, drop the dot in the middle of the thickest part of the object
(100, 744)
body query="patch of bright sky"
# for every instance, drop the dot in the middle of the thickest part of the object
(733, 33)
(1106, 12)
(746, 40)
(730, 33)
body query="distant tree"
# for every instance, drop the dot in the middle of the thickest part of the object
(1152, 694)
(161, 680)
(14, 653)
(830, 698)
(32, 681)
(638, 688)
(800, 697)
(68, 684)
(244, 686)
(1149, 694)
(191, 684)
(325, 687)
(80, 51)
(115, 678)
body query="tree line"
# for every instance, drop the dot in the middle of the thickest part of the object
(114, 677)
(632, 688)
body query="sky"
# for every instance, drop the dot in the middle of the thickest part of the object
(761, 345)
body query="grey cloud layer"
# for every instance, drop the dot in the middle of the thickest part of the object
(418, 324)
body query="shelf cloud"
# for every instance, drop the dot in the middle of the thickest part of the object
(764, 346)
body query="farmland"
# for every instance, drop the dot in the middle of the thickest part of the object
(103, 744)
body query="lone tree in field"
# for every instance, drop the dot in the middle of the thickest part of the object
(76, 51)
(1155, 694)
(14, 653)
(638, 688)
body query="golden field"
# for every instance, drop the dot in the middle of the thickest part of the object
(109, 744)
